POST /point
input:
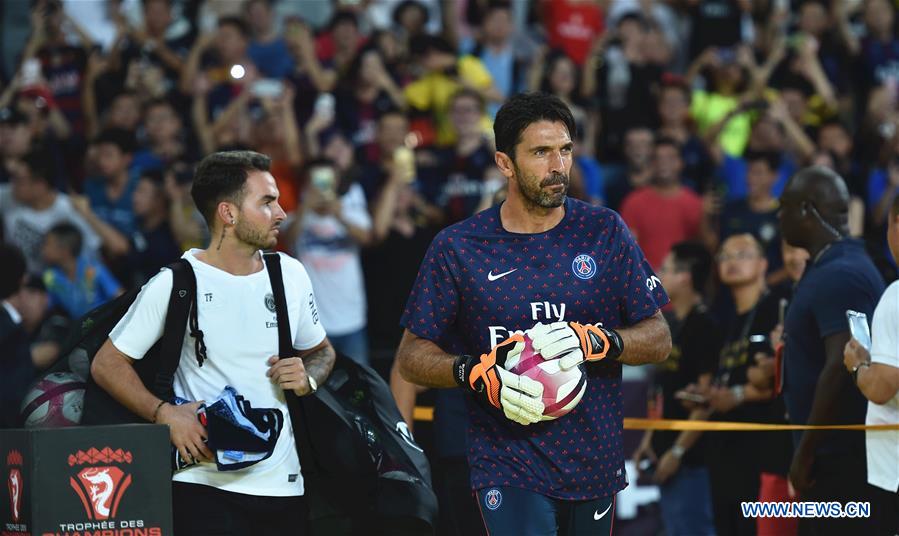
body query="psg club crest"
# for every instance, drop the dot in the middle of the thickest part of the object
(584, 266)
(14, 482)
(100, 485)
(493, 499)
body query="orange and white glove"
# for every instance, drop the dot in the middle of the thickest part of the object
(520, 397)
(575, 343)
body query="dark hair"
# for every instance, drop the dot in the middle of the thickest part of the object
(154, 175)
(12, 270)
(409, 4)
(523, 109)
(670, 81)
(143, 3)
(665, 140)
(423, 44)
(349, 80)
(237, 22)
(835, 122)
(468, 93)
(552, 60)
(69, 236)
(392, 110)
(221, 176)
(772, 158)
(39, 166)
(695, 258)
(343, 16)
(158, 101)
(497, 5)
(121, 138)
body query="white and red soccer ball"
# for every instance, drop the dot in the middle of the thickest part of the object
(562, 389)
(54, 401)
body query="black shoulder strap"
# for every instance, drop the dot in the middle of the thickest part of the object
(273, 265)
(182, 304)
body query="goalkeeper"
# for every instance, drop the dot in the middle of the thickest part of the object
(572, 276)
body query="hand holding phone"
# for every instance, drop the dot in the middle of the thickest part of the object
(690, 397)
(858, 327)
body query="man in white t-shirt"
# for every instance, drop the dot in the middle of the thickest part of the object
(239, 200)
(326, 233)
(877, 376)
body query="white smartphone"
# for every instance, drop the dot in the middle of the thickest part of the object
(858, 327)
(267, 88)
(324, 104)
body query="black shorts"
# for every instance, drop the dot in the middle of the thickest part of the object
(206, 511)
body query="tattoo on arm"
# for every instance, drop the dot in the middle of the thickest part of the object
(319, 362)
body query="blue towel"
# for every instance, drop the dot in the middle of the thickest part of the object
(240, 434)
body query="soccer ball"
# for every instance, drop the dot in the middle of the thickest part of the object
(562, 389)
(56, 400)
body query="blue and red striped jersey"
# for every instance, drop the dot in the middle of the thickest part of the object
(479, 283)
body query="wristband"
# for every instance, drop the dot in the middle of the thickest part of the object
(677, 451)
(156, 411)
(461, 369)
(739, 393)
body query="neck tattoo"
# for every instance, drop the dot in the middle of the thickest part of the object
(222, 239)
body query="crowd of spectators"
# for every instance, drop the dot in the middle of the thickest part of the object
(691, 117)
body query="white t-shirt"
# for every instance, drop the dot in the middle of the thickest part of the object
(332, 259)
(883, 446)
(26, 227)
(237, 317)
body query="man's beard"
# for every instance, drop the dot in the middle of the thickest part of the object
(254, 237)
(534, 194)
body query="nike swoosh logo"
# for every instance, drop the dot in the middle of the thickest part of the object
(491, 277)
(597, 516)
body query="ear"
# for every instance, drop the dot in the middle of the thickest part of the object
(226, 213)
(505, 164)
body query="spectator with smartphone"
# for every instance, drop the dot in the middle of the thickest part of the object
(326, 233)
(364, 93)
(267, 49)
(737, 459)
(875, 370)
(462, 179)
(680, 458)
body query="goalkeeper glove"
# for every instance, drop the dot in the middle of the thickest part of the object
(575, 343)
(520, 397)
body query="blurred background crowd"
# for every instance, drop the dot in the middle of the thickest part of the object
(378, 115)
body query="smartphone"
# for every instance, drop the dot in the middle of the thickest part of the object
(324, 180)
(646, 471)
(858, 327)
(404, 159)
(31, 72)
(267, 88)
(324, 105)
(691, 397)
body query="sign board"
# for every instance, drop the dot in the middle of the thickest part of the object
(86, 481)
